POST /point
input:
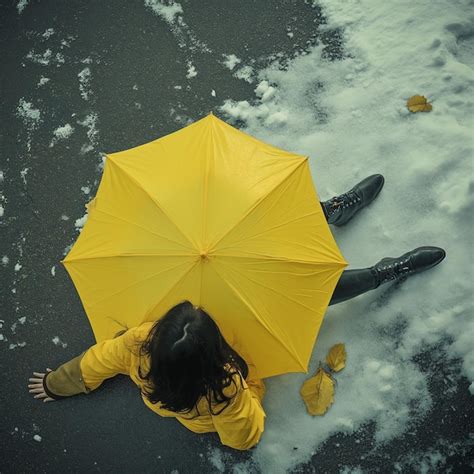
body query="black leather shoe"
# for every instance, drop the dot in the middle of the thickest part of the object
(341, 209)
(409, 263)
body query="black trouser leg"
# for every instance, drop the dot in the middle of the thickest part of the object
(353, 283)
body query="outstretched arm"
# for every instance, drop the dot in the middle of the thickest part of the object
(85, 372)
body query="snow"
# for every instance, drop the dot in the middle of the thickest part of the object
(191, 70)
(30, 117)
(46, 58)
(101, 164)
(231, 60)
(245, 73)
(28, 113)
(264, 91)
(85, 189)
(350, 117)
(171, 12)
(85, 83)
(21, 5)
(53, 270)
(37, 437)
(43, 80)
(43, 59)
(90, 122)
(64, 132)
(61, 133)
(2, 210)
(17, 267)
(20, 344)
(215, 457)
(68, 248)
(58, 341)
(48, 33)
(23, 174)
(167, 12)
(1, 177)
(79, 223)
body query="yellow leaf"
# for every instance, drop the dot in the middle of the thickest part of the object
(418, 103)
(318, 392)
(336, 358)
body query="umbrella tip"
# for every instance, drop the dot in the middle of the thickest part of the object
(210, 113)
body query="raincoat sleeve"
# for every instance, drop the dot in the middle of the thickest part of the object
(241, 424)
(85, 372)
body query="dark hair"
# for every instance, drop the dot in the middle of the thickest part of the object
(188, 355)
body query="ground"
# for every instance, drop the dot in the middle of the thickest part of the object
(81, 79)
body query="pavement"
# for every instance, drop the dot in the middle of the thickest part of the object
(136, 61)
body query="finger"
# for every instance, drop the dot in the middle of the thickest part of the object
(48, 400)
(40, 395)
(38, 373)
(36, 390)
(49, 369)
(35, 380)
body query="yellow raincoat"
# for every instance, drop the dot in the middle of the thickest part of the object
(239, 426)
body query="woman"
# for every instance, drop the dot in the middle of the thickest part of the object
(186, 369)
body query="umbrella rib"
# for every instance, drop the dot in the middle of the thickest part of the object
(179, 280)
(257, 203)
(330, 254)
(206, 183)
(153, 199)
(138, 282)
(281, 259)
(75, 259)
(271, 228)
(282, 294)
(295, 274)
(263, 323)
(286, 183)
(141, 227)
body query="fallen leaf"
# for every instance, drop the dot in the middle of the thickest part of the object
(336, 358)
(418, 103)
(318, 392)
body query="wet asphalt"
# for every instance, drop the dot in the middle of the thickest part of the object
(136, 62)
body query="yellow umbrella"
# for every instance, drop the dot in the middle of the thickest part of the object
(210, 214)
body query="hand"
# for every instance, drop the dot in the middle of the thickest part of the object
(38, 387)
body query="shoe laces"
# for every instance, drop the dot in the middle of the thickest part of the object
(344, 200)
(398, 270)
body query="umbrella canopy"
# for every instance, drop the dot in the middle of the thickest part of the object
(210, 214)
